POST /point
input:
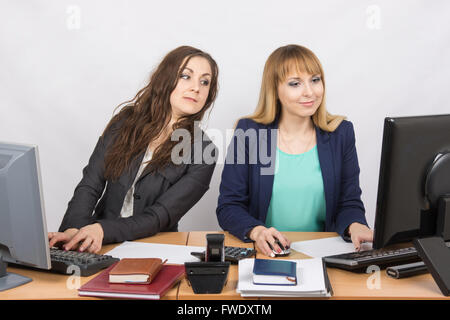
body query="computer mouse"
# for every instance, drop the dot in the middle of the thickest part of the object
(284, 251)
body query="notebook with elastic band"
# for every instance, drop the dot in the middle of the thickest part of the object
(274, 272)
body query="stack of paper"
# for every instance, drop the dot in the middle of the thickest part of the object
(311, 281)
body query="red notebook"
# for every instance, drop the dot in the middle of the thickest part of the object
(165, 279)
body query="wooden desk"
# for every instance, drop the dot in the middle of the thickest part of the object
(354, 286)
(346, 285)
(53, 286)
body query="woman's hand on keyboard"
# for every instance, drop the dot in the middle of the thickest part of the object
(61, 237)
(360, 233)
(91, 237)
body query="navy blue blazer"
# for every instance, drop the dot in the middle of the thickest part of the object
(247, 178)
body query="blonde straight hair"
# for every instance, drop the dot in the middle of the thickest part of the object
(277, 68)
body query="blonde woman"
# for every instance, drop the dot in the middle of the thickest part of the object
(314, 185)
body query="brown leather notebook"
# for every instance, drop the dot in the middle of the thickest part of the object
(135, 270)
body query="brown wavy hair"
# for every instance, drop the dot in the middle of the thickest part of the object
(142, 119)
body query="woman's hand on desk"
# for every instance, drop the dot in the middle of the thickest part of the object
(262, 235)
(360, 233)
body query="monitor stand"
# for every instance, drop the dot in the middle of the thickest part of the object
(9, 280)
(436, 256)
(433, 250)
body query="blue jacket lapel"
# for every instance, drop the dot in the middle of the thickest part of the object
(265, 179)
(326, 165)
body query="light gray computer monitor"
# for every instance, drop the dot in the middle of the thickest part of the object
(23, 228)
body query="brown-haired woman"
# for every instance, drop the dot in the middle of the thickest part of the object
(131, 187)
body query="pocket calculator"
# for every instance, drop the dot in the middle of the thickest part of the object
(232, 254)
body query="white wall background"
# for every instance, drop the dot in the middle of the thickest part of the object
(65, 66)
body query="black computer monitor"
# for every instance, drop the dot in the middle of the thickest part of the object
(23, 229)
(414, 180)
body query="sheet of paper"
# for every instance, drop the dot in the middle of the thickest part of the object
(310, 280)
(175, 254)
(326, 247)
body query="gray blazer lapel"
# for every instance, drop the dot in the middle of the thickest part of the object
(127, 178)
(171, 172)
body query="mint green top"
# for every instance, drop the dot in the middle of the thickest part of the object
(298, 197)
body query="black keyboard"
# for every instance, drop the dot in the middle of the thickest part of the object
(383, 258)
(79, 263)
(359, 261)
(232, 254)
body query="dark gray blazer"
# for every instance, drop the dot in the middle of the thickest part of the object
(160, 199)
